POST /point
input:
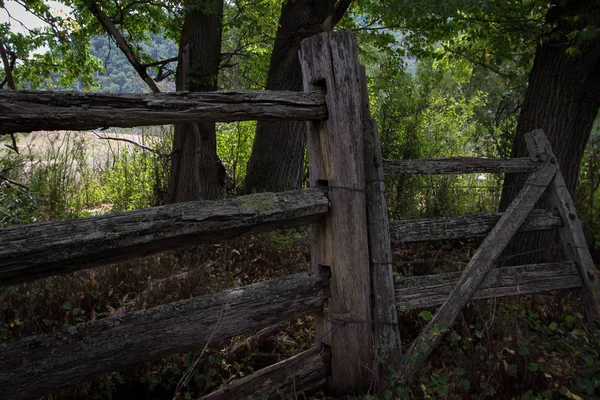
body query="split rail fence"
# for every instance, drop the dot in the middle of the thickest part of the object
(350, 289)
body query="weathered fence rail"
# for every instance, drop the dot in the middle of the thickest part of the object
(32, 111)
(432, 290)
(465, 226)
(305, 372)
(29, 252)
(37, 365)
(461, 165)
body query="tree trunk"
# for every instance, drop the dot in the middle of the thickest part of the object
(562, 98)
(196, 171)
(278, 150)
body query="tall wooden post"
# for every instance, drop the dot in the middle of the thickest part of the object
(386, 333)
(330, 62)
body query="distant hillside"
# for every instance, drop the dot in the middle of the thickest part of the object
(119, 75)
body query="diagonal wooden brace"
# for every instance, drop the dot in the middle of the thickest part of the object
(571, 234)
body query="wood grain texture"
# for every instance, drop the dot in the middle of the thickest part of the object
(29, 252)
(34, 111)
(386, 333)
(460, 165)
(72, 355)
(298, 376)
(340, 239)
(571, 234)
(464, 227)
(478, 267)
(432, 290)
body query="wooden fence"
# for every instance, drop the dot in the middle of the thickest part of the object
(350, 289)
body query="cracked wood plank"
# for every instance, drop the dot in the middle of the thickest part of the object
(38, 365)
(29, 252)
(432, 290)
(23, 111)
(465, 226)
(298, 376)
(461, 165)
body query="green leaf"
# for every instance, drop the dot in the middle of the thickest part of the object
(523, 351)
(553, 326)
(68, 306)
(533, 367)
(459, 371)
(426, 315)
(573, 51)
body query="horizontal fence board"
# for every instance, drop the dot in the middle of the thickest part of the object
(37, 365)
(29, 252)
(460, 165)
(464, 227)
(298, 375)
(433, 290)
(34, 111)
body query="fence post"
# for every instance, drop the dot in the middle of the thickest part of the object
(386, 333)
(329, 62)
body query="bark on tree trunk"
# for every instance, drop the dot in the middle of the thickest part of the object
(562, 98)
(196, 171)
(278, 150)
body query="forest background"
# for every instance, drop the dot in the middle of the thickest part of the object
(458, 78)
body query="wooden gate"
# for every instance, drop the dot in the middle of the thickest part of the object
(547, 176)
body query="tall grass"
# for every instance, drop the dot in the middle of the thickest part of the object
(67, 175)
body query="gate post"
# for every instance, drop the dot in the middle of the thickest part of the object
(335, 147)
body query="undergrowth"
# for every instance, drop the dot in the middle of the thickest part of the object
(535, 347)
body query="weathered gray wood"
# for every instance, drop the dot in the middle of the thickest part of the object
(432, 290)
(386, 333)
(464, 227)
(340, 239)
(479, 266)
(34, 111)
(38, 365)
(297, 376)
(34, 251)
(460, 165)
(571, 233)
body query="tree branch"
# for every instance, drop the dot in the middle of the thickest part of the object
(14, 146)
(13, 182)
(160, 63)
(338, 12)
(112, 30)
(480, 63)
(150, 149)
(7, 67)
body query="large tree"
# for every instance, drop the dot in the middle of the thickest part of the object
(278, 150)
(196, 171)
(563, 93)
